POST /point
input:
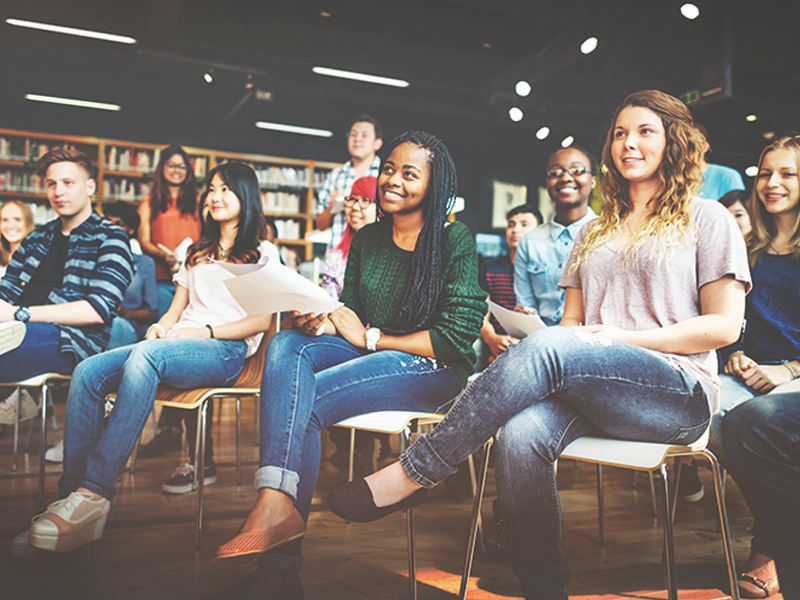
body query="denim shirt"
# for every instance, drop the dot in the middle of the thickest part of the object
(540, 260)
(98, 269)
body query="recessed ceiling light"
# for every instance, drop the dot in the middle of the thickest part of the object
(589, 45)
(523, 88)
(515, 114)
(768, 135)
(325, 14)
(751, 171)
(72, 102)
(360, 77)
(750, 118)
(209, 76)
(542, 133)
(690, 11)
(97, 35)
(294, 129)
(567, 141)
(487, 45)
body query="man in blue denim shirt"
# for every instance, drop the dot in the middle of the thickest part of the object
(542, 254)
(66, 281)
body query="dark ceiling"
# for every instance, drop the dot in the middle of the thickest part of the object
(461, 57)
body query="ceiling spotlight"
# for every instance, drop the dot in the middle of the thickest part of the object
(750, 118)
(567, 141)
(249, 82)
(325, 14)
(515, 114)
(690, 11)
(487, 45)
(589, 45)
(768, 135)
(209, 76)
(523, 88)
(542, 133)
(751, 171)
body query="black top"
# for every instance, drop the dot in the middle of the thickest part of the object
(49, 275)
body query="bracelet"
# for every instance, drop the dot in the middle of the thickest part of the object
(210, 330)
(789, 368)
(157, 326)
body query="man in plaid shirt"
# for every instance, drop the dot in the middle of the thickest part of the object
(363, 141)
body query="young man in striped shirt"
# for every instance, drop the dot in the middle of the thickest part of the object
(65, 283)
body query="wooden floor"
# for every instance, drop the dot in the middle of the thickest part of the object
(147, 551)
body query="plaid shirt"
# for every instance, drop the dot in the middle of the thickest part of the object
(98, 269)
(341, 179)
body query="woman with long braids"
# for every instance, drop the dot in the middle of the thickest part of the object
(403, 340)
(653, 286)
(202, 341)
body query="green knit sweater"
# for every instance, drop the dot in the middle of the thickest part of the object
(376, 277)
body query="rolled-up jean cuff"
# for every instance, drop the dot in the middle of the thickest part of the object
(279, 479)
(280, 563)
(423, 465)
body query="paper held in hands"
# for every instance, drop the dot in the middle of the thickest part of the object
(267, 288)
(517, 325)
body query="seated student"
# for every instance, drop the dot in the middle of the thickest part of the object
(202, 340)
(653, 286)
(140, 304)
(496, 277)
(65, 281)
(16, 221)
(768, 355)
(761, 443)
(736, 201)
(413, 279)
(542, 254)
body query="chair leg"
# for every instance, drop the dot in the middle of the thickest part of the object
(669, 548)
(477, 500)
(258, 420)
(42, 445)
(719, 490)
(674, 500)
(653, 493)
(238, 440)
(16, 431)
(352, 454)
(200, 465)
(474, 485)
(53, 415)
(601, 506)
(412, 556)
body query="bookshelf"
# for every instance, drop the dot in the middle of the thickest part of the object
(126, 169)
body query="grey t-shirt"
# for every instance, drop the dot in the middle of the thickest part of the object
(640, 294)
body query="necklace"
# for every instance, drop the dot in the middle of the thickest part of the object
(223, 252)
(778, 252)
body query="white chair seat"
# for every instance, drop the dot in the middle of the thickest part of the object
(389, 421)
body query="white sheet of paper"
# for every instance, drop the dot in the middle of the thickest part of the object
(517, 325)
(264, 289)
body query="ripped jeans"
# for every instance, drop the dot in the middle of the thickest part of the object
(541, 394)
(310, 383)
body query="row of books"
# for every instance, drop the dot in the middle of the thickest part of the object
(281, 176)
(26, 149)
(124, 189)
(288, 229)
(21, 181)
(119, 158)
(280, 202)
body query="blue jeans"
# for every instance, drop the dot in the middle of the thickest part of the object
(311, 383)
(762, 443)
(38, 353)
(93, 458)
(553, 387)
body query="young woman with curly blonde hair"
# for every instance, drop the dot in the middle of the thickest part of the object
(653, 287)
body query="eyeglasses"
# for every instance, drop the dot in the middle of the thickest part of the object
(363, 203)
(558, 172)
(179, 167)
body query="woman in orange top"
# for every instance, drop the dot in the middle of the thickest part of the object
(169, 215)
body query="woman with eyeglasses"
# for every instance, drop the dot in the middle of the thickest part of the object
(653, 287)
(542, 254)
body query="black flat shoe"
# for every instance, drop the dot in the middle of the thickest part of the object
(353, 502)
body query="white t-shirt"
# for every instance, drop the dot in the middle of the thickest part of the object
(638, 295)
(210, 302)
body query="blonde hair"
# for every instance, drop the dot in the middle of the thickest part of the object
(764, 230)
(27, 217)
(679, 174)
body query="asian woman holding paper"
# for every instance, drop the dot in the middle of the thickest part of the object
(202, 340)
(403, 340)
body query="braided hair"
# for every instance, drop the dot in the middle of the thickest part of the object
(425, 281)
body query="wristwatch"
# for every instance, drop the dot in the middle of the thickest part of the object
(373, 336)
(23, 313)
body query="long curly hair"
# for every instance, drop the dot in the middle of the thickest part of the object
(763, 223)
(427, 272)
(680, 176)
(251, 229)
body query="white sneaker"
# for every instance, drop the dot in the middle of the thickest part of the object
(55, 453)
(70, 523)
(11, 335)
(8, 408)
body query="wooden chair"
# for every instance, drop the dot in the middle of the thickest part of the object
(248, 385)
(640, 456)
(43, 384)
